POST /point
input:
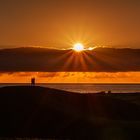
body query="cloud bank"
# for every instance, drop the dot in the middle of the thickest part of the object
(50, 60)
(71, 77)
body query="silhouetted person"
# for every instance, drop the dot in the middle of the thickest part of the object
(109, 92)
(33, 81)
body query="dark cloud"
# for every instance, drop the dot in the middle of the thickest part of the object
(47, 60)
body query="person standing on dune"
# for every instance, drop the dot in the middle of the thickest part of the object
(33, 81)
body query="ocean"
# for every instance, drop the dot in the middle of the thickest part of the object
(90, 88)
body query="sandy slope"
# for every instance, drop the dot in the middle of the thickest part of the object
(27, 111)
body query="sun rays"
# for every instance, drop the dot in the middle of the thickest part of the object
(78, 47)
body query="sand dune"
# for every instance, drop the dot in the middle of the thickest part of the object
(28, 111)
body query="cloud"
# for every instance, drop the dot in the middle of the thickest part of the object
(48, 75)
(50, 60)
(71, 77)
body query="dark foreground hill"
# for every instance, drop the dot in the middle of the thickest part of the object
(37, 112)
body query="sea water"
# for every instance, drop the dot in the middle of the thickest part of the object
(90, 88)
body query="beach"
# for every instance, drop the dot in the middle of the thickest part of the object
(40, 112)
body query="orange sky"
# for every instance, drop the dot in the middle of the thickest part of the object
(58, 23)
(61, 23)
(71, 77)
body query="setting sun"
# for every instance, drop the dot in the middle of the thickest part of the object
(78, 47)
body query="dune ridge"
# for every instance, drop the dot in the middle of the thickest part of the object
(33, 111)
